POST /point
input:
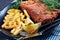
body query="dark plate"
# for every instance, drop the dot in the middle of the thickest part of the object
(42, 29)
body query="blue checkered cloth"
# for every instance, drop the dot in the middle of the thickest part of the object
(55, 33)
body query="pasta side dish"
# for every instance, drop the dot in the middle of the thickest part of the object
(18, 21)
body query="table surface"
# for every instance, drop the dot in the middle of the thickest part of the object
(4, 3)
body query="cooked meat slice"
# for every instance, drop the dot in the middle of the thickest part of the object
(34, 0)
(38, 11)
(57, 11)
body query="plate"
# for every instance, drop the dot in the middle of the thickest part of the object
(42, 29)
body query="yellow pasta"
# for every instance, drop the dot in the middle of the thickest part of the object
(26, 14)
(13, 30)
(15, 20)
(17, 31)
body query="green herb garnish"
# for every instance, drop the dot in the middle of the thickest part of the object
(16, 5)
(51, 4)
